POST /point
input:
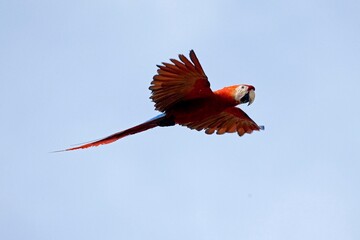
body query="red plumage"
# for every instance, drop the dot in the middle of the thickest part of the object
(181, 91)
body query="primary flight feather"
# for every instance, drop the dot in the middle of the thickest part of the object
(181, 91)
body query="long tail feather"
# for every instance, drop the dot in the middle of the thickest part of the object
(154, 122)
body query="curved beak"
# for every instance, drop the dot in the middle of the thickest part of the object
(251, 96)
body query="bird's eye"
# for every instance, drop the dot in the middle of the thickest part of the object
(242, 87)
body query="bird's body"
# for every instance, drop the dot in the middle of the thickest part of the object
(182, 92)
(201, 108)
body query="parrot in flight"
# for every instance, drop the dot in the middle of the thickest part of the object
(181, 91)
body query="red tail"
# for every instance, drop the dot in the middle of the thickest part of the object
(154, 122)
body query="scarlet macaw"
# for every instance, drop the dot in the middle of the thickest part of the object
(181, 91)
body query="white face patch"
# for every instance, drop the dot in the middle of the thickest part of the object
(240, 92)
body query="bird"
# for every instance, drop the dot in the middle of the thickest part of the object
(181, 92)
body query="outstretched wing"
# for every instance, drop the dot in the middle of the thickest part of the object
(231, 120)
(179, 81)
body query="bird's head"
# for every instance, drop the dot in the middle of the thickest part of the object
(244, 94)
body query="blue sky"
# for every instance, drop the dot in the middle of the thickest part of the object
(73, 71)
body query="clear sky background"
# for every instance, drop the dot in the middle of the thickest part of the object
(73, 71)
